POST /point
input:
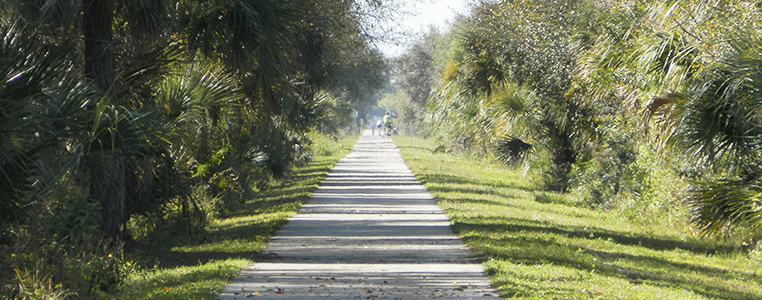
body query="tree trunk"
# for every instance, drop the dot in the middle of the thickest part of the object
(108, 185)
(107, 171)
(97, 21)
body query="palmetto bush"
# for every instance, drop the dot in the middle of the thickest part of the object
(38, 107)
(722, 126)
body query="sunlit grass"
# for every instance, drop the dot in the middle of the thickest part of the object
(201, 281)
(538, 245)
(197, 266)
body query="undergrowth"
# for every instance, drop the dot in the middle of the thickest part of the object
(168, 258)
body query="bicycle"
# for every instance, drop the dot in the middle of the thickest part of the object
(388, 129)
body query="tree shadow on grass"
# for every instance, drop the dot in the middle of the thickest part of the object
(445, 190)
(240, 240)
(316, 169)
(274, 201)
(295, 189)
(547, 244)
(443, 179)
(478, 202)
(415, 148)
(637, 269)
(509, 224)
(536, 243)
(165, 258)
(618, 237)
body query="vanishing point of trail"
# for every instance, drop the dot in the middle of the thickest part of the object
(370, 231)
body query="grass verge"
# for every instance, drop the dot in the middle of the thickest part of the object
(197, 266)
(536, 245)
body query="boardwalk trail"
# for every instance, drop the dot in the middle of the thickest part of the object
(370, 231)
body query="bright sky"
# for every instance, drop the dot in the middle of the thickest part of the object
(420, 15)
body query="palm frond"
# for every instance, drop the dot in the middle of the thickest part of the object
(41, 13)
(196, 90)
(147, 17)
(720, 205)
(31, 78)
(115, 128)
(513, 151)
(56, 11)
(142, 64)
(252, 38)
(721, 121)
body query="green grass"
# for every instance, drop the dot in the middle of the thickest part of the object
(537, 245)
(197, 266)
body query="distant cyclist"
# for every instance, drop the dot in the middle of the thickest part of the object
(388, 123)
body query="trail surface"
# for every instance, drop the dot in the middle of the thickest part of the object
(370, 231)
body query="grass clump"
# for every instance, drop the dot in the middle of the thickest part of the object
(541, 245)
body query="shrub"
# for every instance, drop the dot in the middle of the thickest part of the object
(59, 254)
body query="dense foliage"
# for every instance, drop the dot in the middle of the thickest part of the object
(645, 108)
(122, 117)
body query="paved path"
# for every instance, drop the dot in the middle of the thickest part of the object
(370, 231)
